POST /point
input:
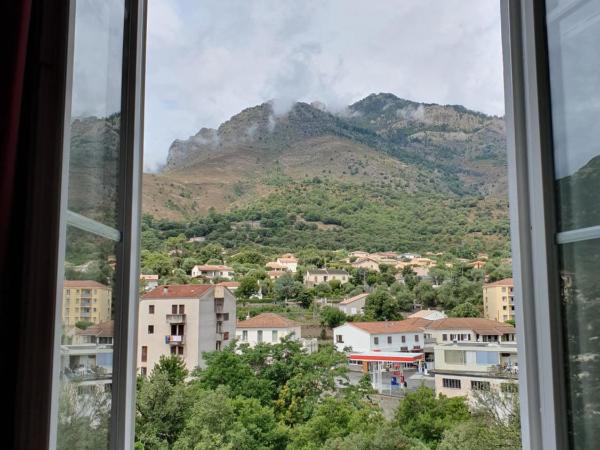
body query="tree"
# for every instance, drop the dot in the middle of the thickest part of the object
(162, 408)
(332, 317)
(286, 288)
(248, 287)
(425, 294)
(305, 298)
(466, 309)
(173, 367)
(380, 305)
(424, 416)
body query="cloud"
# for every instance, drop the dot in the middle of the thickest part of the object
(208, 60)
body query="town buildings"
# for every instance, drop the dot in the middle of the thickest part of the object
(184, 320)
(210, 272)
(499, 301)
(354, 305)
(85, 301)
(366, 263)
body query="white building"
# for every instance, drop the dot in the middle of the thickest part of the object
(270, 328)
(366, 263)
(462, 368)
(393, 336)
(266, 327)
(288, 261)
(184, 320)
(474, 329)
(212, 271)
(354, 305)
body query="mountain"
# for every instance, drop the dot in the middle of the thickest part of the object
(380, 141)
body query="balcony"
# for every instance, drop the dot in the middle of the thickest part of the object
(174, 339)
(175, 318)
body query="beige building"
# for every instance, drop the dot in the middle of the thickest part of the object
(184, 320)
(498, 300)
(366, 263)
(318, 276)
(463, 368)
(85, 301)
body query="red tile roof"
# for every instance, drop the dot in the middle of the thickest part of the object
(267, 320)
(395, 326)
(477, 324)
(229, 283)
(84, 284)
(178, 291)
(104, 329)
(355, 298)
(209, 267)
(505, 282)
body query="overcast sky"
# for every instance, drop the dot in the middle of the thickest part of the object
(209, 59)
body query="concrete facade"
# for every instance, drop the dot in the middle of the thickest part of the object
(499, 301)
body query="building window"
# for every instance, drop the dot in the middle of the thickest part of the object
(173, 350)
(416, 338)
(245, 335)
(150, 329)
(376, 340)
(180, 350)
(389, 339)
(259, 336)
(509, 388)
(181, 309)
(480, 385)
(444, 337)
(451, 383)
(218, 345)
(173, 309)
(454, 356)
(150, 309)
(274, 336)
(144, 354)
(225, 316)
(339, 339)
(403, 339)
(143, 371)
(226, 336)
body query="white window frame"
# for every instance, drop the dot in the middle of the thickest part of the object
(533, 226)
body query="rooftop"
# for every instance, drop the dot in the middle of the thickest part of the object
(505, 282)
(477, 324)
(84, 284)
(354, 299)
(213, 267)
(178, 291)
(104, 329)
(394, 326)
(326, 272)
(424, 313)
(267, 320)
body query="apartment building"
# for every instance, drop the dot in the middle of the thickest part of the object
(463, 368)
(86, 301)
(184, 320)
(498, 300)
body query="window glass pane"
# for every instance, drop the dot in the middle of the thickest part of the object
(95, 109)
(574, 78)
(86, 343)
(580, 263)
